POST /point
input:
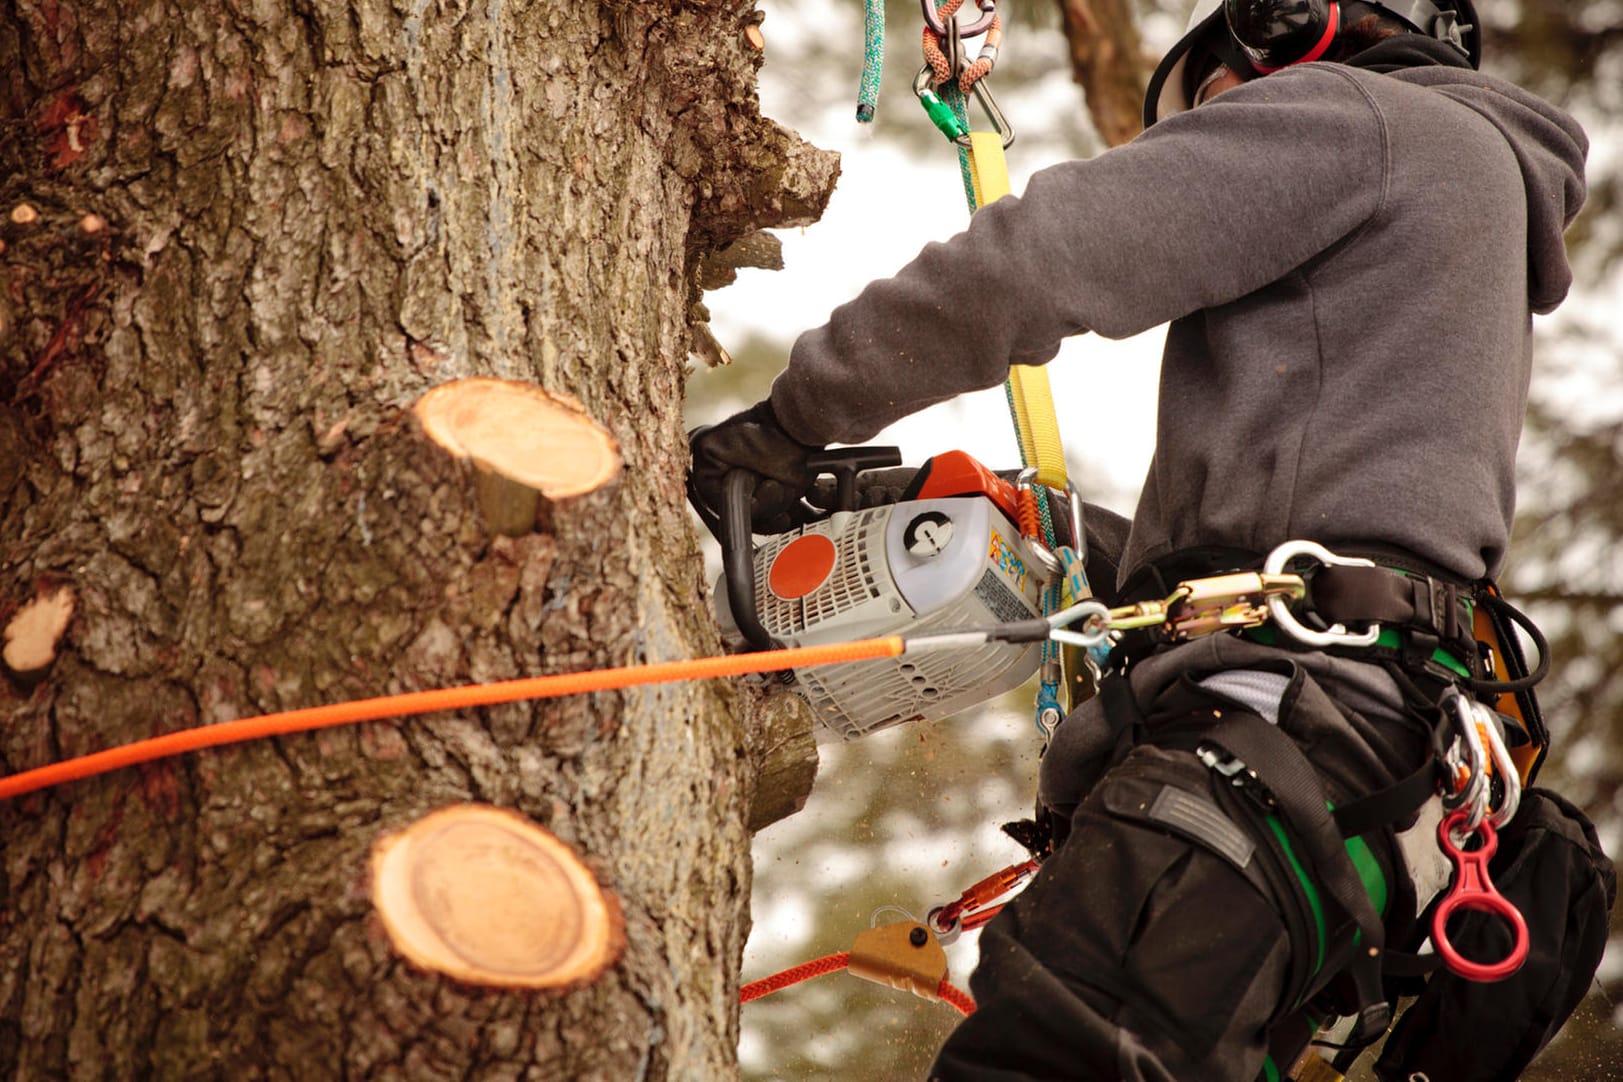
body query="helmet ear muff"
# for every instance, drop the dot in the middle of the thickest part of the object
(1275, 34)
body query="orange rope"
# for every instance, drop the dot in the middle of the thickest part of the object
(962, 1000)
(426, 702)
(833, 963)
(941, 66)
(1030, 514)
(805, 971)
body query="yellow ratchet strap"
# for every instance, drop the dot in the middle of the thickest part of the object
(1035, 421)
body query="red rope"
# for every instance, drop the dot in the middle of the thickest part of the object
(833, 963)
(817, 967)
(956, 996)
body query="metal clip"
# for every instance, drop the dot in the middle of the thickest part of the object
(1279, 608)
(1000, 124)
(979, 26)
(1465, 761)
(1510, 780)
(1238, 774)
(1096, 624)
(947, 122)
(1482, 734)
(1221, 602)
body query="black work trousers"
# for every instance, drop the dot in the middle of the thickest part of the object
(1136, 953)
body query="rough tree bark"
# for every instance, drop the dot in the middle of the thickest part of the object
(255, 233)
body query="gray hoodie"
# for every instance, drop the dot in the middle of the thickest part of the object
(1349, 260)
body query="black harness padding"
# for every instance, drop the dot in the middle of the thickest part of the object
(1282, 768)
(1343, 594)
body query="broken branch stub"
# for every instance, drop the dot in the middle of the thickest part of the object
(526, 444)
(488, 897)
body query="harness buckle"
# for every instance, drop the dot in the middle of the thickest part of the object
(1279, 607)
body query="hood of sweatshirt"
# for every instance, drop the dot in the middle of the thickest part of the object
(1548, 144)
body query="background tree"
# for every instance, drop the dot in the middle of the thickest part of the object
(239, 240)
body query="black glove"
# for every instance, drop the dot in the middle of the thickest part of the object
(752, 440)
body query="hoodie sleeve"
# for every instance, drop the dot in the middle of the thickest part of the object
(1202, 209)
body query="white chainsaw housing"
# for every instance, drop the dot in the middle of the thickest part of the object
(907, 568)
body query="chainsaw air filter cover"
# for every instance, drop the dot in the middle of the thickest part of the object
(905, 568)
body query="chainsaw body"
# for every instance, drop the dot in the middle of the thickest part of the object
(948, 555)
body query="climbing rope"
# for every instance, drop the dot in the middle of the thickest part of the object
(873, 59)
(946, 991)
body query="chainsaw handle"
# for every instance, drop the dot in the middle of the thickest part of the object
(845, 463)
(738, 556)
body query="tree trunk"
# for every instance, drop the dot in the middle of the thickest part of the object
(241, 238)
(1109, 63)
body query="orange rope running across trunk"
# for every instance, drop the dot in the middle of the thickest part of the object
(426, 702)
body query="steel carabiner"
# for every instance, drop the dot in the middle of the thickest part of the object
(979, 26)
(1279, 607)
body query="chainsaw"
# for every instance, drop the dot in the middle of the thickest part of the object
(945, 554)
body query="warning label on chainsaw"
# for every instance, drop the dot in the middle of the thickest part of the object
(1004, 604)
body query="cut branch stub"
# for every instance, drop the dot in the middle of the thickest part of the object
(32, 635)
(527, 444)
(488, 897)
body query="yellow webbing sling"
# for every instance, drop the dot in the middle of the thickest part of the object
(1030, 397)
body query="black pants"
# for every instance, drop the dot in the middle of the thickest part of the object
(1137, 953)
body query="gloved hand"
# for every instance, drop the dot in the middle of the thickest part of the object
(752, 440)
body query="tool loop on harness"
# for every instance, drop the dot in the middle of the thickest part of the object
(1279, 608)
(1473, 889)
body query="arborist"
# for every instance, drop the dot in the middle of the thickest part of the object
(1348, 229)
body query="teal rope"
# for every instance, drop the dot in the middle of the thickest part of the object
(873, 58)
(959, 104)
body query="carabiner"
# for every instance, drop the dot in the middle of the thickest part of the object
(1473, 889)
(980, 26)
(1510, 780)
(1469, 793)
(1279, 607)
(939, 112)
(1000, 123)
(1095, 620)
